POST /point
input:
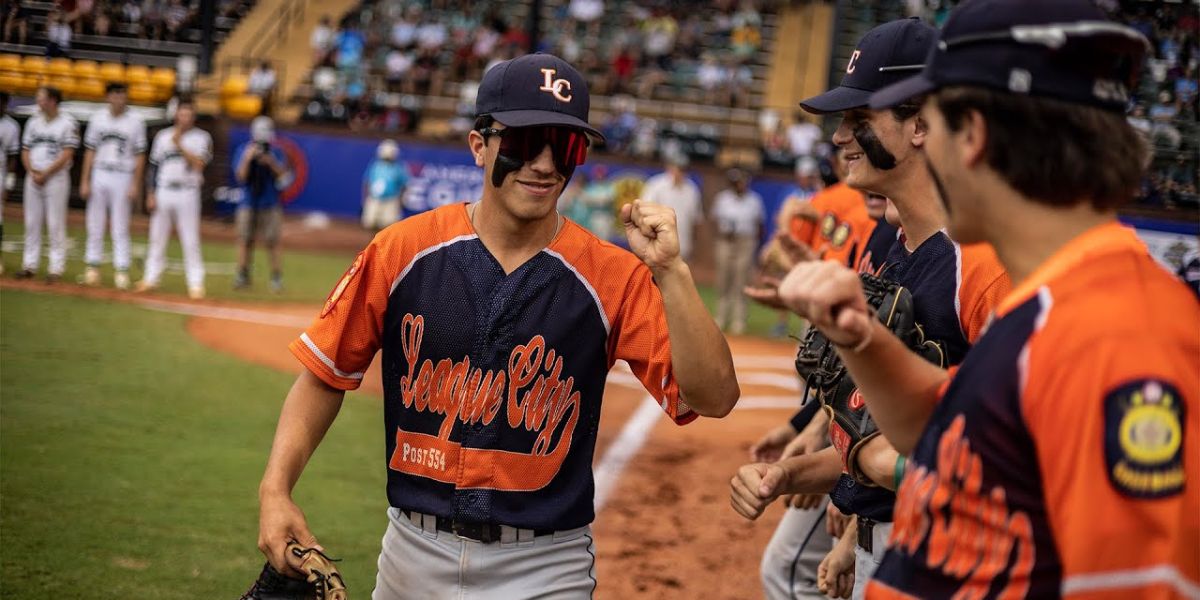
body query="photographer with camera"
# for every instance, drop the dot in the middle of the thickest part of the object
(262, 172)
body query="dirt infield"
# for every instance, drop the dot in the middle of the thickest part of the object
(666, 530)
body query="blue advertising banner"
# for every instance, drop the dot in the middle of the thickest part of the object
(329, 170)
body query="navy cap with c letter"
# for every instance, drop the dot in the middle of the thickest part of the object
(535, 89)
(1063, 49)
(885, 55)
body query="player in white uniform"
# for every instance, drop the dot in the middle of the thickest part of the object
(114, 161)
(10, 147)
(47, 150)
(177, 156)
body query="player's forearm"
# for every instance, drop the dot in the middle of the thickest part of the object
(139, 170)
(877, 460)
(899, 387)
(25, 162)
(85, 173)
(243, 169)
(811, 473)
(309, 410)
(700, 356)
(63, 160)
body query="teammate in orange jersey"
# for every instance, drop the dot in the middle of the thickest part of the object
(954, 288)
(498, 323)
(836, 219)
(1061, 459)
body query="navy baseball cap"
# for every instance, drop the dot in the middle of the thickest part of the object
(887, 54)
(535, 89)
(1065, 49)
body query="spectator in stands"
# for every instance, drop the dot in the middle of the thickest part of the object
(1137, 119)
(589, 13)
(712, 78)
(741, 80)
(175, 18)
(262, 83)
(745, 38)
(1162, 115)
(621, 124)
(152, 19)
(404, 30)
(431, 35)
(16, 22)
(350, 48)
(102, 18)
(624, 62)
(383, 187)
(739, 216)
(802, 135)
(673, 188)
(58, 35)
(130, 14)
(396, 68)
(321, 41)
(657, 45)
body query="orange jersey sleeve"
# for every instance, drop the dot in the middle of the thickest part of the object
(1116, 425)
(635, 314)
(983, 284)
(340, 344)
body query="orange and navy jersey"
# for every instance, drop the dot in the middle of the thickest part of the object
(492, 382)
(1063, 459)
(954, 288)
(842, 221)
(870, 253)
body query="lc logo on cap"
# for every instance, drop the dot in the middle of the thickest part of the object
(555, 86)
(853, 57)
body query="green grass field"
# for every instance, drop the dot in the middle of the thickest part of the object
(130, 454)
(130, 457)
(307, 276)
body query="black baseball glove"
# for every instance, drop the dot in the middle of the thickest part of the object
(818, 363)
(324, 582)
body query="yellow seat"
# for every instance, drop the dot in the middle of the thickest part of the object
(245, 106)
(234, 86)
(67, 85)
(60, 66)
(84, 69)
(90, 89)
(142, 93)
(137, 74)
(164, 80)
(10, 62)
(112, 72)
(11, 80)
(35, 65)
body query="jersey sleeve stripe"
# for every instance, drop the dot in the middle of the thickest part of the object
(591, 290)
(312, 347)
(424, 253)
(1132, 578)
(1046, 300)
(958, 282)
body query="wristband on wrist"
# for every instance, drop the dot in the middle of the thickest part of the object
(899, 469)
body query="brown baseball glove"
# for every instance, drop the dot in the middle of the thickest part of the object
(323, 582)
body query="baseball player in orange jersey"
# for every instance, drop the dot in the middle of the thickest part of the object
(1061, 458)
(835, 220)
(954, 288)
(498, 322)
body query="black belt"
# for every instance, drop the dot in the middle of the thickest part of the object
(175, 185)
(480, 532)
(865, 528)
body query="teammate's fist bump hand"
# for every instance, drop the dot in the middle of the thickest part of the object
(829, 296)
(755, 487)
(653, 236)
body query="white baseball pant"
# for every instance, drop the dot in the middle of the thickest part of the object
(418, 562)
(183, 207)
(47, 203)
(789, 564)
(865, 562)
(109, 201)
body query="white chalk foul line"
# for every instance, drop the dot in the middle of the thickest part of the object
(630, 441)
(229, 314)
